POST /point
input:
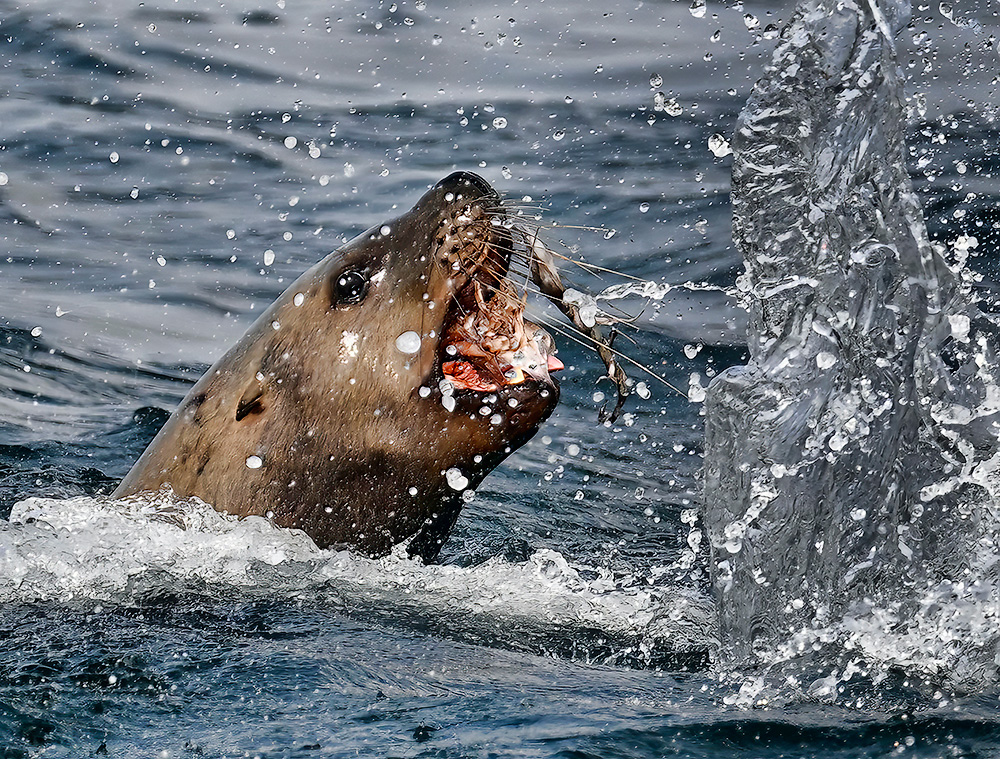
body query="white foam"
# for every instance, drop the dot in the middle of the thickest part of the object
(120, 551)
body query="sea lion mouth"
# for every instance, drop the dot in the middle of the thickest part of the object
(486, 343)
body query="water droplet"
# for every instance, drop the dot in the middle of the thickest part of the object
(719, 145)
(825, 360)
(114, 156)
(268, 257)
(960, 326)
(408, 342)
(36, 331)
(696, 393)
(499, 123)
(385, 231)
(598, 396)
(670, 106)
(751, 21)
(299, 299)
(642, 390)
(3, 179)
(291, 142)
(698, 8)
(254, 462)
(644, 208)
(161, 261)
(558, 135)
(655, 81)
(456, 480)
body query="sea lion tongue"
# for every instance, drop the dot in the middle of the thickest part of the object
(388, 379)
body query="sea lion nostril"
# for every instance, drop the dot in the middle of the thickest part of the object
(468, 184)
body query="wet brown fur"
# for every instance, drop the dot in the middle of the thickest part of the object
(344, 439)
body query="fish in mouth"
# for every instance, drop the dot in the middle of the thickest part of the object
(487, 342)
(378, 390)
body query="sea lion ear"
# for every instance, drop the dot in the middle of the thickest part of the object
(252, 400)
(349, 287)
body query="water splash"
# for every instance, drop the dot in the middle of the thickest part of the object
(151, 545)
(848, 464)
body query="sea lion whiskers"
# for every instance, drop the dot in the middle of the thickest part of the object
(527, 258)
(590, 343)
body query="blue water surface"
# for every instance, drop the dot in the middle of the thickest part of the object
(167, 168)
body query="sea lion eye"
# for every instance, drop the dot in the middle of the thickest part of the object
(351, 287)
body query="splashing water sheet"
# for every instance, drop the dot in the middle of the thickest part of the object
(850, 466)
(802, 565)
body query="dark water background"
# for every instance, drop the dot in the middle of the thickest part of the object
(151, 154)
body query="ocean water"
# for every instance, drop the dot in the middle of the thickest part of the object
(167, 168)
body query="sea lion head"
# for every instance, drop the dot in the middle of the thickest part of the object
(448, 320)
(378, 390)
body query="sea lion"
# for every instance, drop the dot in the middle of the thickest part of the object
(391, 377)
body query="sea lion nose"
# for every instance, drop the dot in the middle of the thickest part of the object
(470, 186)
